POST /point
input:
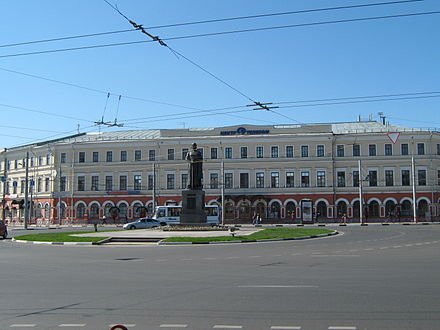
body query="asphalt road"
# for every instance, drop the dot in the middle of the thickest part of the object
(375, 277)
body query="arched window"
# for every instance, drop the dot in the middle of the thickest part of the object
(62, 210)
(245, 210)
(107, 208)
(150, 208)
(260, 209)
(38, 212)
(356, 210)
(47, 210)
(291, 211)
(406, 209)
(80, 210)
(123, 210)
(390, 208)
(138, 209)
(373, 209)
(422, 208)
(229, 210)
(94, 211)
(275, 210)
(341, 209)
(321, 210)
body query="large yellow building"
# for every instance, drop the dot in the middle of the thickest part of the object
(268, 170)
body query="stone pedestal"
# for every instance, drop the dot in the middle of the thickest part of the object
(193, 207)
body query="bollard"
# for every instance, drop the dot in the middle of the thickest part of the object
(96, 226)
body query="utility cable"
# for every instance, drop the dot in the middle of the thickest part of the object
(222, 33)
(207, 21)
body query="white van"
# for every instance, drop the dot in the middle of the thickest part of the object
(171, 214)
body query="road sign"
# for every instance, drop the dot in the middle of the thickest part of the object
(393, 136)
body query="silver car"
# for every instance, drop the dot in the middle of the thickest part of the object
(143, 223)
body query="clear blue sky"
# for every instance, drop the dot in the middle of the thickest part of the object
(376, 57)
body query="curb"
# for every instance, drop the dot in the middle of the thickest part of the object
(339, 224)
(252, 241)
(57, 243)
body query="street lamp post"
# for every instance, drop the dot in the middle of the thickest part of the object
(26, 193)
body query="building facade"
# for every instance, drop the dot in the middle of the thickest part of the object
(265, 170)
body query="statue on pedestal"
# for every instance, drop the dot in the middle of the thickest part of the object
(195, 159)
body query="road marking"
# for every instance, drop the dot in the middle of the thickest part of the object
(22, 325)
(161, 260)
(277, 255)
(336, 255)
(209, 258)
(255, 257)
(369, 249)
(384, 247)
(408, 245)
(233, 258)
(397, 246)
(341, 328)
(125, 325)
(277, 286)
(186, 259)
(174, 325)
(222, 326)
(72, 325)
(285, 327)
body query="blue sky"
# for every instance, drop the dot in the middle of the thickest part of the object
(375, 57)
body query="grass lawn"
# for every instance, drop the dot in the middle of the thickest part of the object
(60, 237)
(272, 233)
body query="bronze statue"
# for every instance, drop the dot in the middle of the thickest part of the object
(195, 159)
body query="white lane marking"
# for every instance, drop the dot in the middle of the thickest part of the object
(72, 325)
(277, 286)
(174, 325)
(397, 246)
(222, 326)
(22, 325)
(341, 328)
(186, 259)
(336, 255)
(277, 255)
(355, 250)
(209, 258)
(408, 245)
(369, 249)
(233, 258)
(255, 257)
(161, 260)
(125, 325)
(285, 327)
(384, 247)
(295, 254)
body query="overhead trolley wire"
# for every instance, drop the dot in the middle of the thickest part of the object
(211, 34)
(207, 21)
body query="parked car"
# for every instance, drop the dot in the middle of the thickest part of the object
(3, 229)
(143, 223)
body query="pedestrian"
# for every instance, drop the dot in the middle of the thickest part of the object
(104, 220)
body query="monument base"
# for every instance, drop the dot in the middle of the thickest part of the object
(193, 207)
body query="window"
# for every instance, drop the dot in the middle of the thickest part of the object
(170, 180)
(14, 187)
(259, 151)
(95, 156)
(389, 178)
(137, 182)
(438, 148)
(63, 158)
(81, 183)
(274, 151)
(184, 153)
(320, 151)
(48, 158)
(320, 178)
(22, 186)
(259, 180)
(150, 182)
(243, 152)
(404, 149)
(290, 179)
(184, 178)
(289, 151)
(137, 155)
(109, 156)
(170, 153)
(304, 151)
(355, 178)
(405, 178)
(123, 155)
(356, 150)
(63, 185)
(340, 150)
(274, 180)
(81, 158)
(420, 148)
(151, 155)
(372, 177)
(95, 183)
(244, 180)
(108, 183)
(213, 180)
(438, 177)
(228, 180)
(421, 177)
(228, 152)
(341, 178)
(305, 179)
(213, 153)
(40, 161)
(371, 150)
(388, 149)
(123, 182)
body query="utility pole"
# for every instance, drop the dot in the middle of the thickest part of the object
(4, 179)
(361, 200)
(223, 190)
(26, 193)
(154, 187)
(59, 196)
(413, 170)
